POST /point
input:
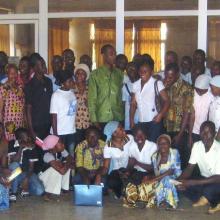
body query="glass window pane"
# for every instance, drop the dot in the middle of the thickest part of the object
(83, 36)
(213, 38)
(213, 4)
(141, 5)
(18, 37)
(155, 36)
(19, 6)
(82, 5)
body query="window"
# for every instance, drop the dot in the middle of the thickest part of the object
(140, 5)
(213, 4)
(81, 5)
(19, 6)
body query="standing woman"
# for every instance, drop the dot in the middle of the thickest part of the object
(81, 92)
(11, 103)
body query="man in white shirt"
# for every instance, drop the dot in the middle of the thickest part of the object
(205, 154)
(214, 110)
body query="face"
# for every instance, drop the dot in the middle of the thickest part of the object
(24, 67)
(132, 72)
(215, 90)
(121, 64)
(25, 139)
(140, 138)
(86, 60)
(207, 136)
(67, 85)
(109, 56)
(12, 75)
(201, 92)
(198, 58)
(169, 59)
(59, 146)
(145, 72)
(163, 145)
(57, 64)
(69, 58)
(185, 66)
(170, 78)
(39, 68)
(92, 139)
(215, 70)
(80, 76)
(120, 132)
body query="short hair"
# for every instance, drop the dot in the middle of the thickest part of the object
(25, 58)
(188, 59)
(12, 66)
(92, 129)
(121, 56)
(200, 51)
(19, 131)
(148, 62)
(138, 127)
(172, 53)
(63, 75)
(34, 58)
(105, 48)
(209, 124)
(68, 50)
(172, 66)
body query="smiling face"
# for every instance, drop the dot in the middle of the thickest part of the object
(145, 72)
(163, 145)
(12, 75)
(207, 134)
(140, 137)
(80, 76)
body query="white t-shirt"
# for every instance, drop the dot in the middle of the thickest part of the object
(208, 162)
(126, 97)
(119, 158)
(64, 103)
(143, 156)
(145, 99)
(201, 106)
(48, 157)
(214, 112)
(207, 72)
(186, 77)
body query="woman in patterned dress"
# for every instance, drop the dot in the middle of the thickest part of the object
(81, 92)
(11, 103)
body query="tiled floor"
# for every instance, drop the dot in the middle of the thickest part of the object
(34, 208)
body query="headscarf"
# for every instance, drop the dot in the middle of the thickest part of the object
(164, 136)
(110, 128)
(83, 67)
(215, 81)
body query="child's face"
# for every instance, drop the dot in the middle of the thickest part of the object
(59, 147)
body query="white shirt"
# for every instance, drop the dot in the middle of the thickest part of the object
(143, 156)
(214, 112)
(208, 162)
(119, 158)
(161, 74)
(126, 97)
(64, 103)
(207, 71)
(48, 157)
(201, 106)
(145, 99)
(186, 77)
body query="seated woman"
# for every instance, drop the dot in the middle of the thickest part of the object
(159, 188)
(89, 157)
(115, 156)
(58, 163)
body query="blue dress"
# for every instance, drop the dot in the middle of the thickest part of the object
(165, 189)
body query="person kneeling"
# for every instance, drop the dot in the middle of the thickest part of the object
(206, 154)
(58, 164)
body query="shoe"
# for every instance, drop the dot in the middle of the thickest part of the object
(202, 202)
(12, 198)
(24, 194)
(212, 210)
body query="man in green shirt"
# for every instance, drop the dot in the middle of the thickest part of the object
(105, 90)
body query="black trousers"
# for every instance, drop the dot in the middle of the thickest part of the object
(210, 191)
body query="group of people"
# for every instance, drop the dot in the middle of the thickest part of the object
(145, 136)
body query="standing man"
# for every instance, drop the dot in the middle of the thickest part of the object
(105, 90)
(69, 60)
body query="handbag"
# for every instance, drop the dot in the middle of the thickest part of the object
(88, 195)
(158, 100)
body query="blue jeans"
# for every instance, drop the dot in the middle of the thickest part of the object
(4, 198)
(35, 186)
(69, 142)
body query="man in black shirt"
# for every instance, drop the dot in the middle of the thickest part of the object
(37, 95)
